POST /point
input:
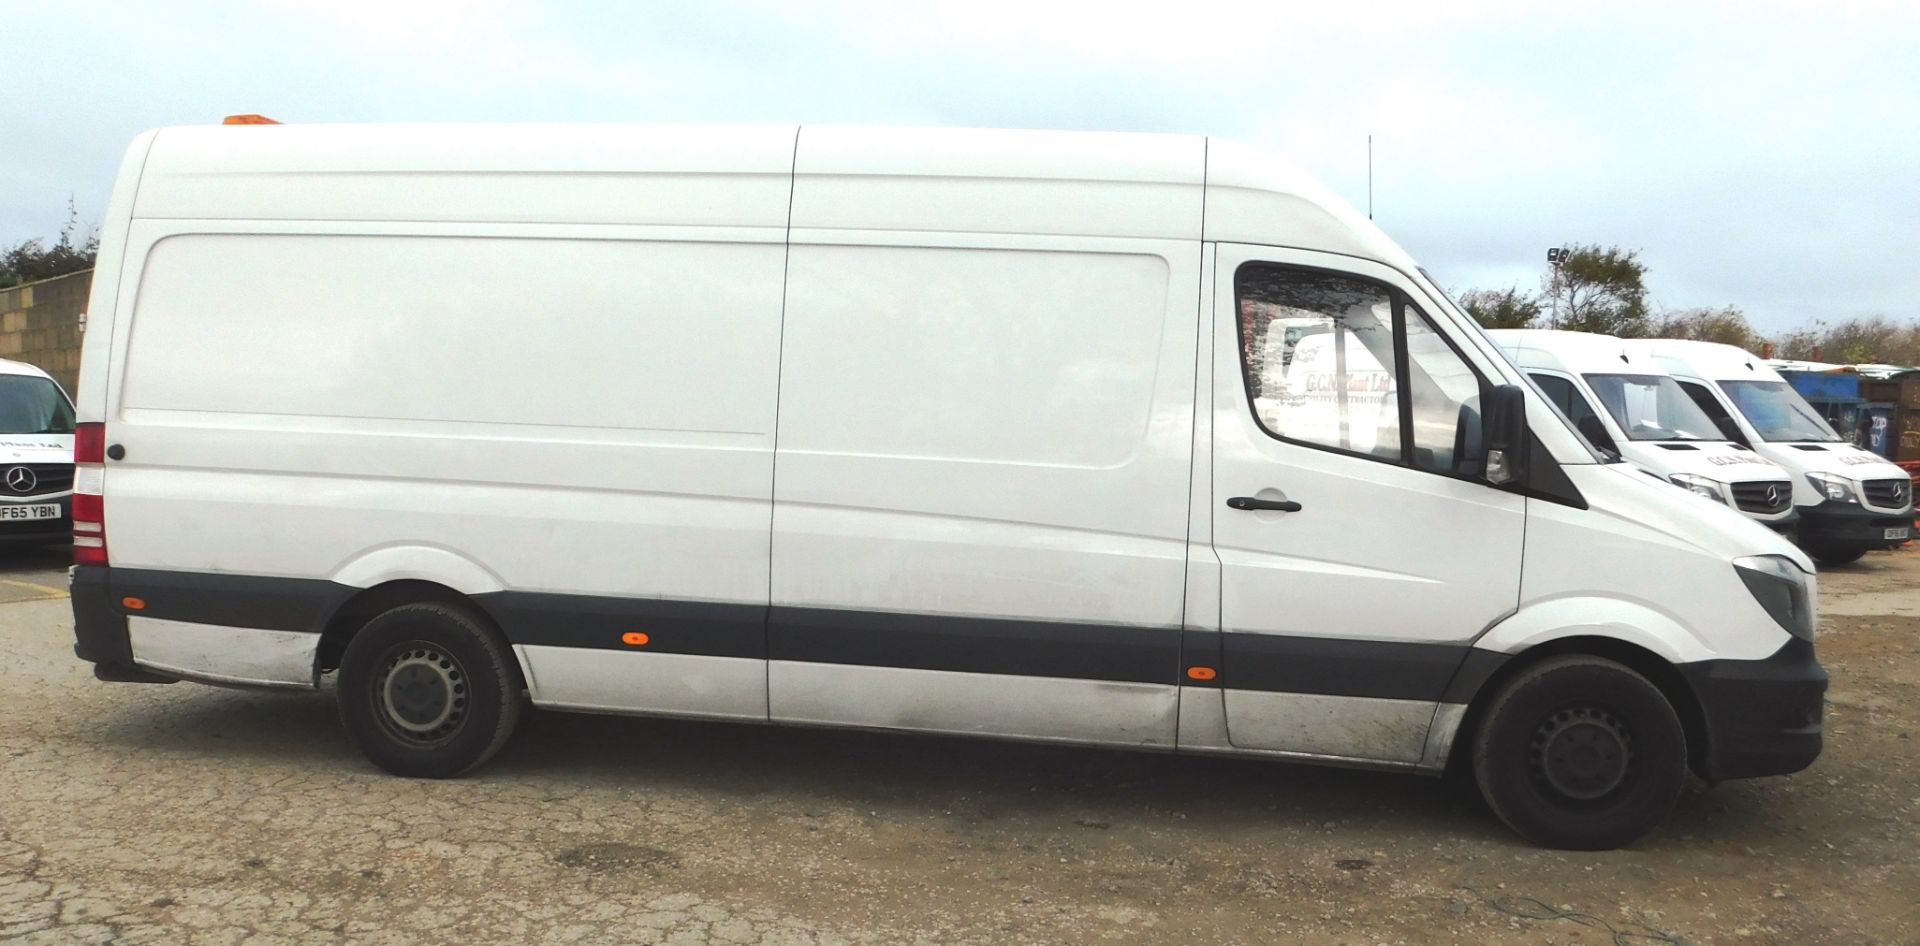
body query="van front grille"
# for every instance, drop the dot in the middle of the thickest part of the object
(1888, 494)
(35, 479)
(1765, 498)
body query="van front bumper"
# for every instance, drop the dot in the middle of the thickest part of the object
(1851, 526)
(100, 630)
(1763, 717)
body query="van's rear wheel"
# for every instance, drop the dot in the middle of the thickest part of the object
(428, 690)
(1580, 753)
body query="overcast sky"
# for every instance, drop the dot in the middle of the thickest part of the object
(1757, 154)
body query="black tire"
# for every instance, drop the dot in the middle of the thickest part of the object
(1835, 555)
(429, 690)
(1580, 753)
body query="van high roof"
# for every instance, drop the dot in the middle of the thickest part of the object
(1068, 183)
(1580, 352)
(1710, 360)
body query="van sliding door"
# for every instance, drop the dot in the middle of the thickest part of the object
(982, 464)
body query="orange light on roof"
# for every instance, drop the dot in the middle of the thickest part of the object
(248, 120)
(634, 639)
(1201, 673)
(134, 604)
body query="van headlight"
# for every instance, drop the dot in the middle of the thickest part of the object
(1837, 489)
(1700, 486)
(1780, 587)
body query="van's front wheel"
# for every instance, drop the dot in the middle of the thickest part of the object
(1580, 753)
(428, 690)
(1835, 554)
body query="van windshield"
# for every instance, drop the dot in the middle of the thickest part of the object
(1652, 407)
(1778, 412)
(30, 405)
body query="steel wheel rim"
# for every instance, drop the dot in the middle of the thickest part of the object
(421, 693)
(1582, 754)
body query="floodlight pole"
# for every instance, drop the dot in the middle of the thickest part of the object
(1555, 256)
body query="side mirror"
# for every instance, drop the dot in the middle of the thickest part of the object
(1506, 435)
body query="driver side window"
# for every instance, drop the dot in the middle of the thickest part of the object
(1709, 404)
(1574, 404)
(1343, 363)
(1319, 359)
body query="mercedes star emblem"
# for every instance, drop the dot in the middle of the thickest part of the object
(21, 480)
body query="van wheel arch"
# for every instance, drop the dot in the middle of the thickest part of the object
(369, 603)
(1663, 675)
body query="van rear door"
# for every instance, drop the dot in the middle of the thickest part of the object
(1361, 552)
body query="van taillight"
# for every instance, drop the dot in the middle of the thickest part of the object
(90, 443)
(89, 487)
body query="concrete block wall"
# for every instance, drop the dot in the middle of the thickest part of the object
(40, 324)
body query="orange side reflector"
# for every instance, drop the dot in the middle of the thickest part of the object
(634, 639)
(1201, 673)
(248, 120)
(133, 604)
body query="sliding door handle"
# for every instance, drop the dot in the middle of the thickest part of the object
(1248, 502)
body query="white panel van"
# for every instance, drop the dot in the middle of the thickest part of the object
(1626, 403)
(1850, 501)
(36, 457)
(969, 432)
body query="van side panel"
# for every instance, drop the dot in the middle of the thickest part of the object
(983, 476)
(104, 300)
(580, 411)
(550, 334)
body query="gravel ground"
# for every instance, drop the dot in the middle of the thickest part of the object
(189, 814)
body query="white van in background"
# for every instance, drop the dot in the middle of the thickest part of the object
(1851, 501)
(932, 430)
(36, 457)
(1627, 403)
(1326, 386)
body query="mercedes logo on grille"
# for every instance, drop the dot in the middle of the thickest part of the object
(1900, 492)
(21, 480)
(1773, 494)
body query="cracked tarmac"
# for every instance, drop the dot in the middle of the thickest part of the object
(196, 815)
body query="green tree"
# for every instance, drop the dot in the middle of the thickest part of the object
(1871, 340)
(1906, 350)
(1502, 308)
(1874, 339)
(1727, 325)
(1800, 344)
(34, 260)
(1601, 290)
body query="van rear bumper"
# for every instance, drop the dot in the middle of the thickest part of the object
(100, 630)
(1763, 717)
